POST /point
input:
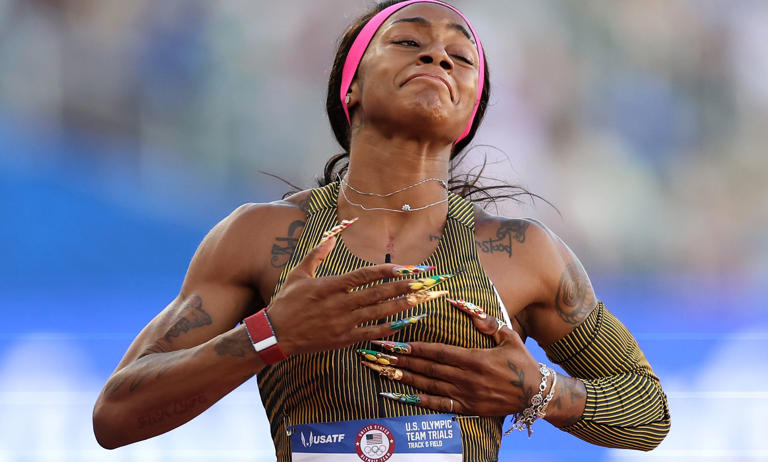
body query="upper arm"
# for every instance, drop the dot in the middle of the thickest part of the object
(565, 296)
(217, 291)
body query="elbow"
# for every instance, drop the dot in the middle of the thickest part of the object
(105, 429)
(641, 427)
(653, 433)
(661, 427)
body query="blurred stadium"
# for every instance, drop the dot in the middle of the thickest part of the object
(128, 129)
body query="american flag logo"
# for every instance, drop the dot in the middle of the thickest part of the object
(373, 438)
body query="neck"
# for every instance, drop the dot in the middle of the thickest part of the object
(382, 165)
(379, 165)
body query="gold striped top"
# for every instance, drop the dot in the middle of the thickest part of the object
(626, 407)
(334, 386)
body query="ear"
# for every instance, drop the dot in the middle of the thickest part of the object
(354, 94)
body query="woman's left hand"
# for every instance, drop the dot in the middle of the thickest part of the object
(470, 381)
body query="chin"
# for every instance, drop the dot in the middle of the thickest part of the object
(421, 113)
(427, 109)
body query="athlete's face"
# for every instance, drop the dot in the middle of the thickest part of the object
(419, 72)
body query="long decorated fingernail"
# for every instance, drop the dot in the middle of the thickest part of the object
(402, 397)
(393, 347)
(425, 296)
(469, 308)
(403, 323)
(389, 372)
(411, 269)
(426, 283)
(336, 230)
(377, 357)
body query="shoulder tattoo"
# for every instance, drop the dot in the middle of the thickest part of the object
(575, 298)
(508, 231)
(285, 245)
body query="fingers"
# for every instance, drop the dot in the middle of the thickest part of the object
(310, 262)
(442, 353)
(438, 403)
(363, 276)
(336, 230)
(427, 384)
(425, 368)
(390, 307)
(442, 403)
(488, 325)
(362, 334)
(499, 330)
(378, 293)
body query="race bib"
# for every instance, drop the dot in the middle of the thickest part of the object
(423, 438)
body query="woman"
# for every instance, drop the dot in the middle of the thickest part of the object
(407, 92)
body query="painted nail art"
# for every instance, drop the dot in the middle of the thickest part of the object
(393, 347)
(336, 230)
(402, 397)
(403, 323)
(377, 357)
(386, 371)
(428, 282)
(425, 296)
(469, 308)
(411, 269)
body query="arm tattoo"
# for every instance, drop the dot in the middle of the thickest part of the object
(234, 347)
(158, 366)
(574, 299)
(519, 382)
(193, 316)
(566, 398)
(178, 407)
(507, 231)
(284, 246)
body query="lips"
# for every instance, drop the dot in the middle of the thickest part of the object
(431, 76)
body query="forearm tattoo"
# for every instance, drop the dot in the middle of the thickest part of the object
(189, 315)
(176, 408)
(569, 396)
(233, 347)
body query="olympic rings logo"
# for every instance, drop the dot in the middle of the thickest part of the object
(375, 450)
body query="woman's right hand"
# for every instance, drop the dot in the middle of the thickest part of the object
(312, 314)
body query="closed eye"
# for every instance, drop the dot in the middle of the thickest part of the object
(466, 60)
(408, 43)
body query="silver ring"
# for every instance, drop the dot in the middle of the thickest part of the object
(500, 324)
(451, 405)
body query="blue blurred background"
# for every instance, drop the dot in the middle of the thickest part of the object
(128, 129)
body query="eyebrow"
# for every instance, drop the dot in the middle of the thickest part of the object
(423, 21)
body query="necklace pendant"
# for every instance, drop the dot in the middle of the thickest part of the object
(406, 208)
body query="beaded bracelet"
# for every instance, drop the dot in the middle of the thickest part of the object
(526, 418)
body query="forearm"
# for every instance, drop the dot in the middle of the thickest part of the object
(568, 403)
(162, 391)
(623, 403)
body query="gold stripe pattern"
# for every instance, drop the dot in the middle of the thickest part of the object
(626, 407)
(335, 386)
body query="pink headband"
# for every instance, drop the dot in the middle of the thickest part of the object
(369, 30)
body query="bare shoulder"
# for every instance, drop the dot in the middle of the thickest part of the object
(514, 240)
(240, 246)
(560, 294)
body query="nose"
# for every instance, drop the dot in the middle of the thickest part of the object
(436, 54)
